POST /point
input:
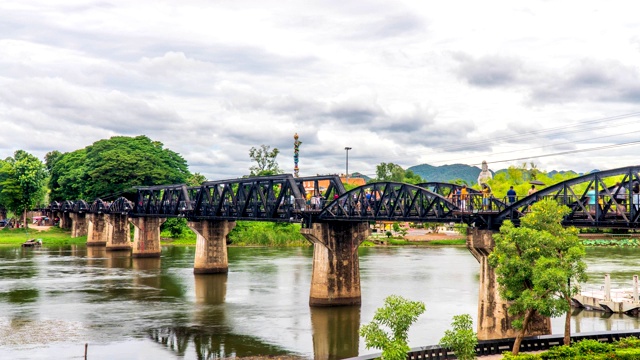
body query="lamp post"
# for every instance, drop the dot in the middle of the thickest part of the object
(347, 149)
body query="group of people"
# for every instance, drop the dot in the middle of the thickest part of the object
(619, 194)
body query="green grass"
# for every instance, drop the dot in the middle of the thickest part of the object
(401, 242)
(52, 237)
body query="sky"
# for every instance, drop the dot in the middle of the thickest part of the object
(556, 83)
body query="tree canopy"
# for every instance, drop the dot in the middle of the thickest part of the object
(112, 166)
(265, 160)
(534, 262)
(22, 179)
(394, 172)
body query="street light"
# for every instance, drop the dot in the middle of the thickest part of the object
(347, 148)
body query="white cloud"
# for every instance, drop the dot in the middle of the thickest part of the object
(403, 81)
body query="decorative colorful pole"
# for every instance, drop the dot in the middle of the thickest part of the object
(296, 150)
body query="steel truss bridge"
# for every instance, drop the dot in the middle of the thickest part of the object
(284, 198)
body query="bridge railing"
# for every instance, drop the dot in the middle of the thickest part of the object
(492, 347)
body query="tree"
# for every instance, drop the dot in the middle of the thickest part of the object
(21, 182)
(110, 167)
(461, 339)
(389, 172)
(397, 314)
(534, 263)
(265, 159)
(394, 172)
(196, 179)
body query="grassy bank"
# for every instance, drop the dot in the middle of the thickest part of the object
(375, 241)
(52, 237)
(248, 233)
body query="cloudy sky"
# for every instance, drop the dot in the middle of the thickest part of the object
(407, 82)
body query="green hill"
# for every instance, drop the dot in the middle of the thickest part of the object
(447, 173)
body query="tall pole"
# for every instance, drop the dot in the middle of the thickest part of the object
(347, 149)
(296, 151)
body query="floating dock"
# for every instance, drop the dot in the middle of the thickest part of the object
(606, 299)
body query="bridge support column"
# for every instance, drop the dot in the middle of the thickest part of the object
(78, 224)
(211, 246)
(494, 322)
(65, 220)
(335, 279)
(146, 236)
(96, 230)
(118, 233)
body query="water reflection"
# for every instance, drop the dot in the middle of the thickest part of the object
(335, 332)
(210, 289)
(259, 308)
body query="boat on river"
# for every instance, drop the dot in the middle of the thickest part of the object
(32, 243)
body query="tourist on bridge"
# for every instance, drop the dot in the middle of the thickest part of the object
(532, 190)
(620, 194)
(511, 195)
(591, 195)
(486, 197)
(463, 198)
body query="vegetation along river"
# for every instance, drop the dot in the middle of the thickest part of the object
(54, 300)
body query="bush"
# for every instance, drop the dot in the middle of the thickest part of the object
(628, 354)
(591, 347)
(397, 315)
(559, 352)
(628, 342)
(461, 339)
(507, 355)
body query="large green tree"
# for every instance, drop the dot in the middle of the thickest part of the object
(21, 182)
(265, 160)
(394, 172)
(534, 263)
(110, 167)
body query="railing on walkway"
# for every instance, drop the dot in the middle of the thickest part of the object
(492, 347)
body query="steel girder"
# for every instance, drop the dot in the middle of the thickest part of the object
(121, 206)
(98, 207)
(389, 201)
(267, 198)
(444, 189)
(162, 201)
(608, 210)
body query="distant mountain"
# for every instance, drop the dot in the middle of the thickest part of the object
(360, 175)
(447, 173)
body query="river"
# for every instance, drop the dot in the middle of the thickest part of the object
(53, 301)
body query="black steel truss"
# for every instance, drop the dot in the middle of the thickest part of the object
(389, 201)
(272, 198)
(614, 206)
(282, 198)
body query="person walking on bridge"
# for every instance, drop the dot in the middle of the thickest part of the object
(511, 195)
(463, 198)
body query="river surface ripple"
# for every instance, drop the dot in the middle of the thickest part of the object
(53, 301)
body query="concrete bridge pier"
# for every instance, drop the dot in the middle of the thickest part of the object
(96, 230)
(335, 279)
(118, 233)
(146, 236)
(494, 322)
(211, 246)
(65, 220)
(78, 224)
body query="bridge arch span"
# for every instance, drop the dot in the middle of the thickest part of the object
(390, 201)
(609, 205)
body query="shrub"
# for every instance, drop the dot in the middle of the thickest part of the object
(397, 314)
(559, 352)
(507, 355)
(461, 339)
(591, 347)
(628, 342)
(628, 354)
